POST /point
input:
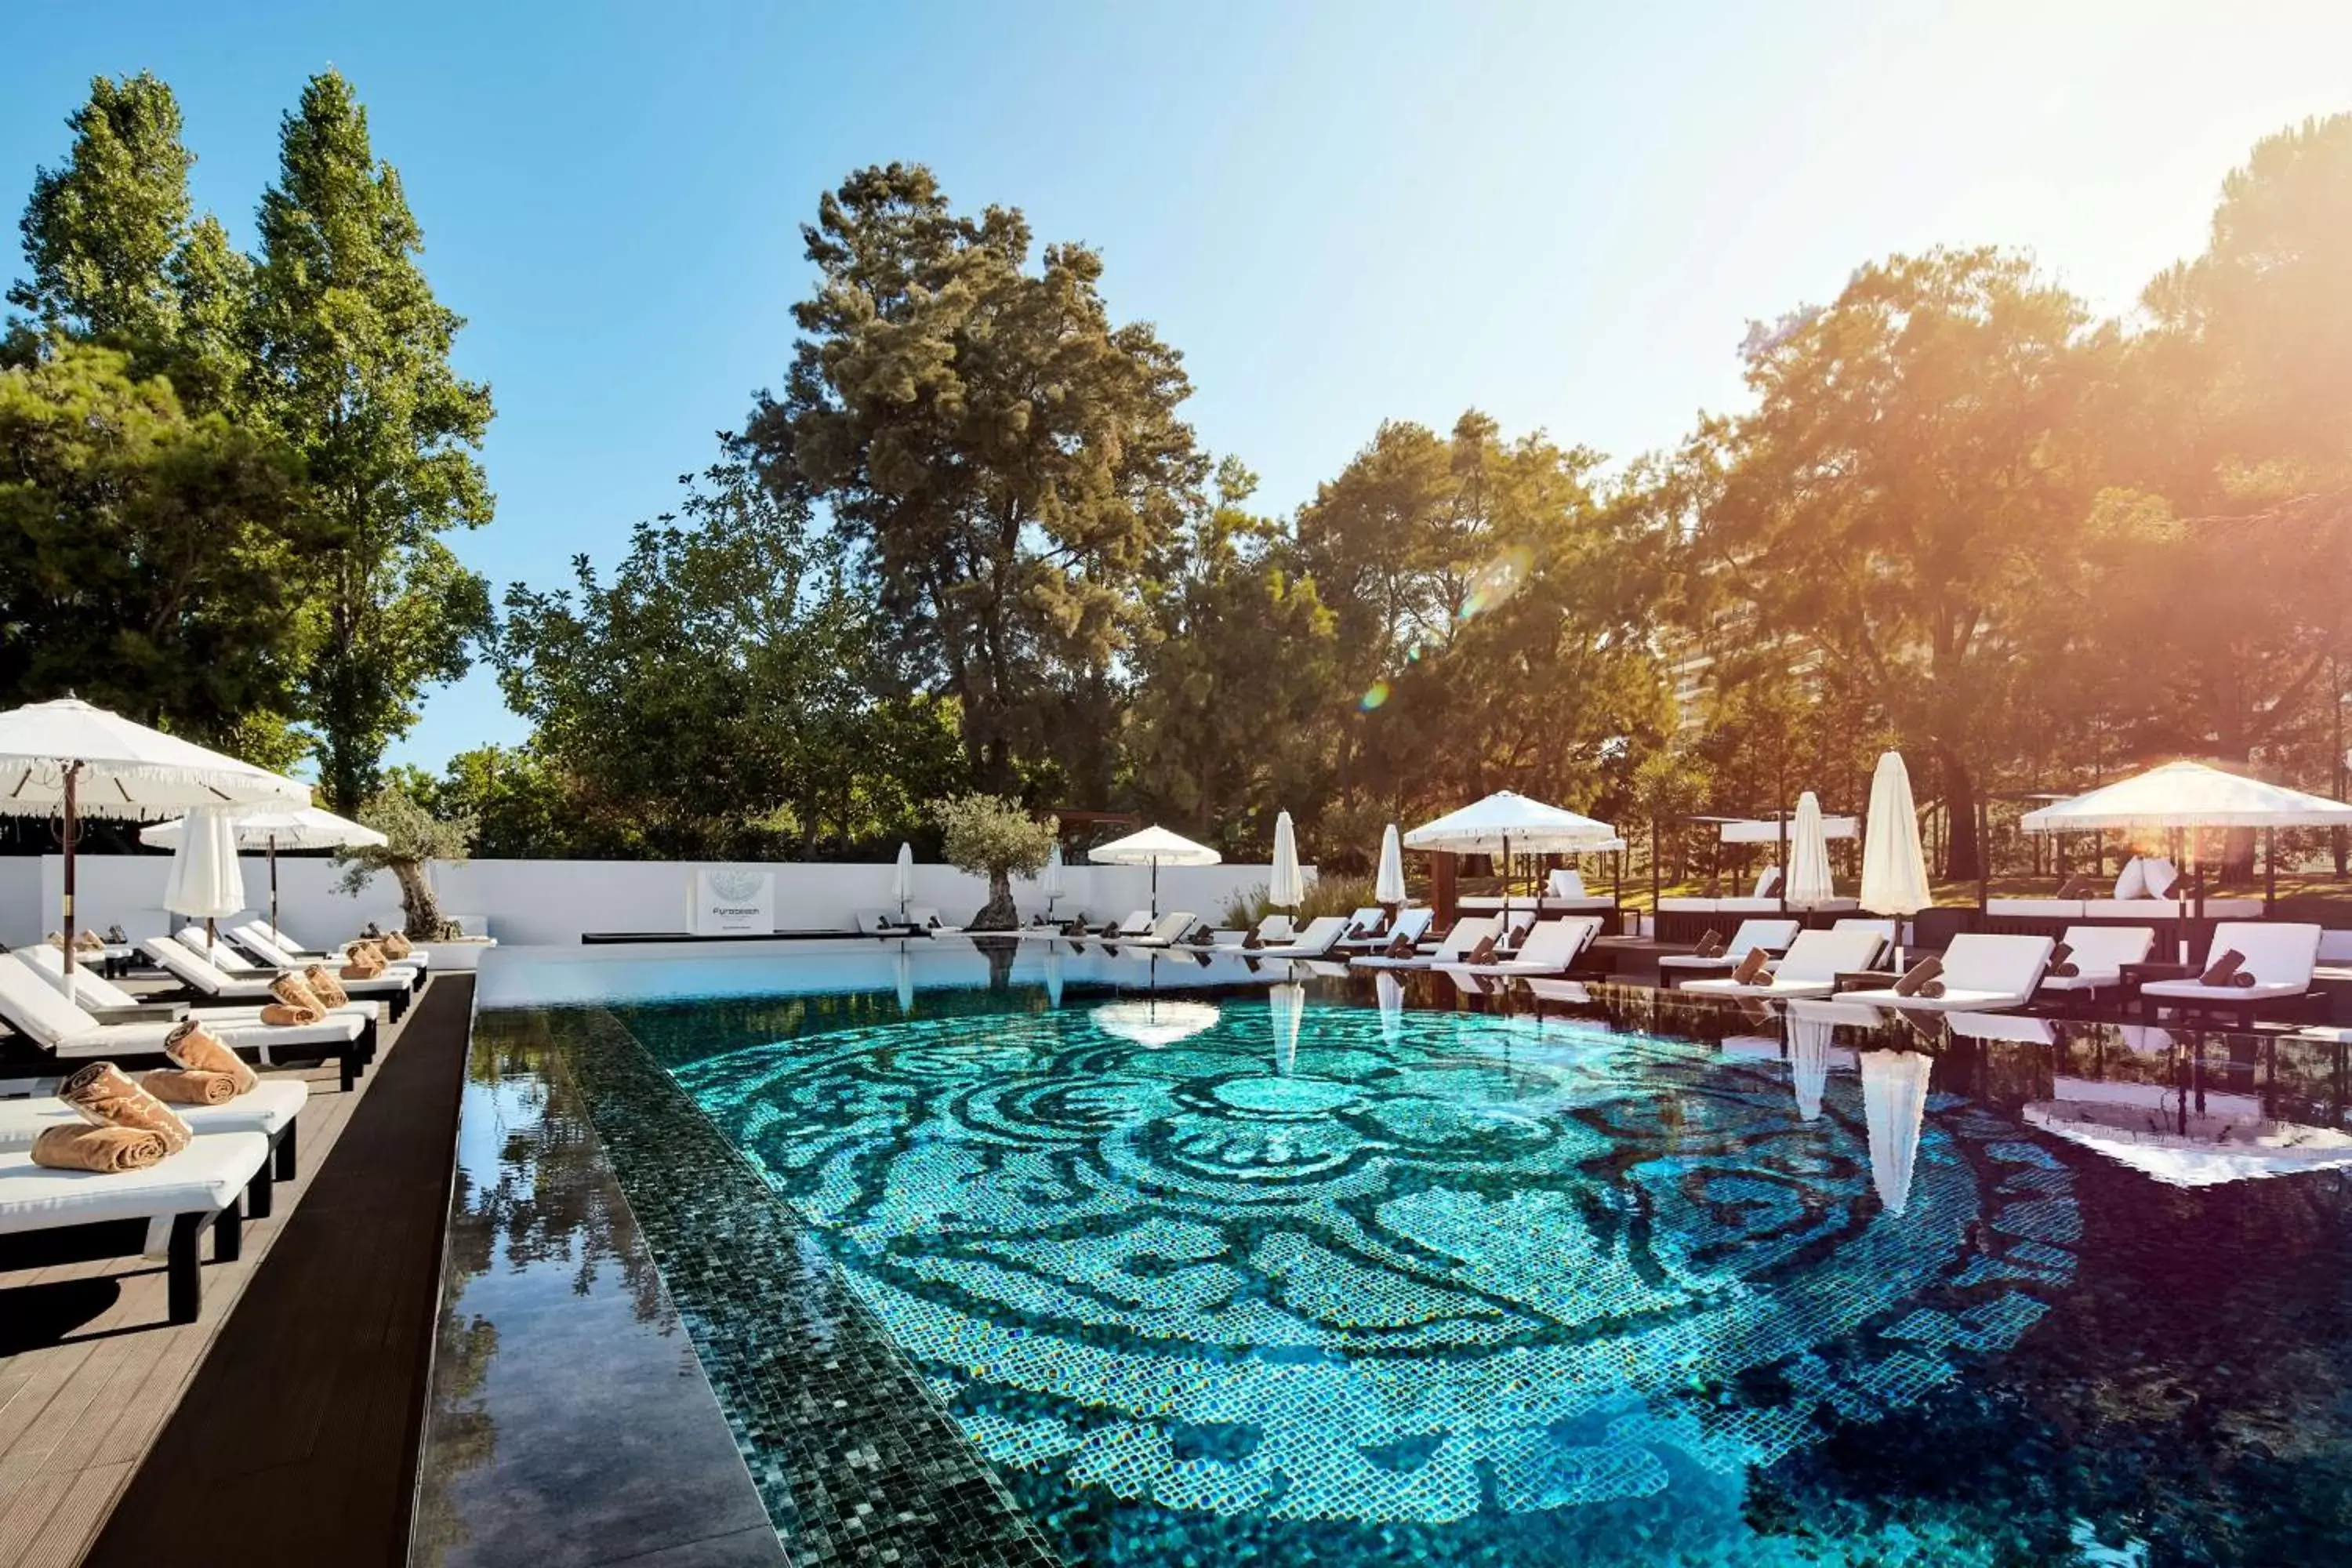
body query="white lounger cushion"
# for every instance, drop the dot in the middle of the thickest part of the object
(417, 957)
(267, 1108)
(1810, 967)
(1411, 923)
(1312, 942)
(2131, 910)
(202, 1178)
(1164, 930)
(1772, 936)
(2280, 955)
(32, 1003)
(402, 975)
(2100, 954)
(193, 968)
(1552, 946)
(2036, 908)
(96, 990)
(1465, 935)
(1981, 973)
(1687, 906)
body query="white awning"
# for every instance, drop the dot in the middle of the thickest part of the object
(1508, 821)
(2188, 794)
(1771, 832)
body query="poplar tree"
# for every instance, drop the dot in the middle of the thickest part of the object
(354, 371)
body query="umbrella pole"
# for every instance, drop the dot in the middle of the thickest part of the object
(273, 884)
(1155, 888)
(72, 832)
(2270, 870)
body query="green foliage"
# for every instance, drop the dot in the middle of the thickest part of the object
(1340, 895)
(414, 839)
(1008, 459)
(353, 371)
(993, 837)
(726, 694)
(150, 561)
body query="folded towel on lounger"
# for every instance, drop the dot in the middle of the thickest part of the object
(1710, 944)
(1252, 942)
(105, 1149)
(88, 941)
(1483, 953)
(1751, 968)
(1922, 975)
(104, 1096)
(325, 987)
(177, 1086)
(1400, 947)
(397, 947)
(195, 1048)
(2227, 969)
(2062, 963)
(295, 1002)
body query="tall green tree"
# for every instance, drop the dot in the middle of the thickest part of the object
(353, 371)
(1008, 459)
(724, 692)
(1909, 494)
(150, 561)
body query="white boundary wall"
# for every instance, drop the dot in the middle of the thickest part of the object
(545, 901)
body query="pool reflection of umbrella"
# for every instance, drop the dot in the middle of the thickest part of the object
(1390, 990)
(1053, 974)
(1895, 1104)
(1154, 1021)
(1287, 1003)
(2146, 1126)
(905, 966)
(1809, 1062)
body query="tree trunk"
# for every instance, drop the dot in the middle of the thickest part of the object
(417, 902)
(998, 913)
(1963, 849)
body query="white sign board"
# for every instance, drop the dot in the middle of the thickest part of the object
(732, 900)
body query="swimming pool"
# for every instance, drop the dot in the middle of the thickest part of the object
(1200, 1269)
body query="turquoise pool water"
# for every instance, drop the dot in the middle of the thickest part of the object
(1222, 1277)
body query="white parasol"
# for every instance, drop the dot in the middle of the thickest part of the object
(1288, 887)
(272, 828)
(1387, 887)
(1154, 846)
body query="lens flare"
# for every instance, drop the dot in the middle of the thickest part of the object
(1376, 696)
(1493, 583)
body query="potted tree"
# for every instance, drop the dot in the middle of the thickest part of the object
(988, 835)
(414, 839)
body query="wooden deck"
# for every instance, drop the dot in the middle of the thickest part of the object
(280, 1425)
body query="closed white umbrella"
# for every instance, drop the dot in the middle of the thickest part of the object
(1388, 888)
(902, 880)
(274, 827)
(1154, 846)
(1049, 880)
(1895, 1106)
(1894, 866)
(1287, 1003)
(1508, 822)
(206, 883)
(1809, 856)
(70, 759)
(1288, 887)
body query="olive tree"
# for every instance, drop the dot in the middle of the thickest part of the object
(990, 836)
(414, 839)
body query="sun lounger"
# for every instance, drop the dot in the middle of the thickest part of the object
(201, 977)
(1168, 930)
(198, 1186)
(37, 1010)
(1320, 937)
(227, 958)
(1982, 974)
(1772, 936)
(268, 955)
(1466, 934)
(1412, 923)
(2098, 956)
(417, 957)
(109, 1004)
(271, 1107)
(1551, 949)
(2279, 954)
(1809, 968)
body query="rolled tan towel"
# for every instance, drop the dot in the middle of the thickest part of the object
(1483, 953)
(364, 962)
(1921, 974)
(1356, 932)
(1751, 968)
(397, 946)
(2223, 971)
(1401, 947)
(296, 1002)
(55, 940)
(104, 1096)
(178, 1086)
(1252, 942)
(1110, 929)
(325, 987)
(1380, 926)
(88, 941)
(105, 1149)
(1710, 944)
(195, 1048)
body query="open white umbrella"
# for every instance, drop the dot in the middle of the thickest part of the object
(1154, 846)
(70, 759)
(1809, 856)
(1506, 823)
(902, 880)
(1387, 887)
(1288, 1004)
(1286, 890)
(2191, 796)
(271, 829)
(206, 883)
(1895, 1106)
(1894, 866)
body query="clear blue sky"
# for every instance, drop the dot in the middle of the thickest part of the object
(1561, 213)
